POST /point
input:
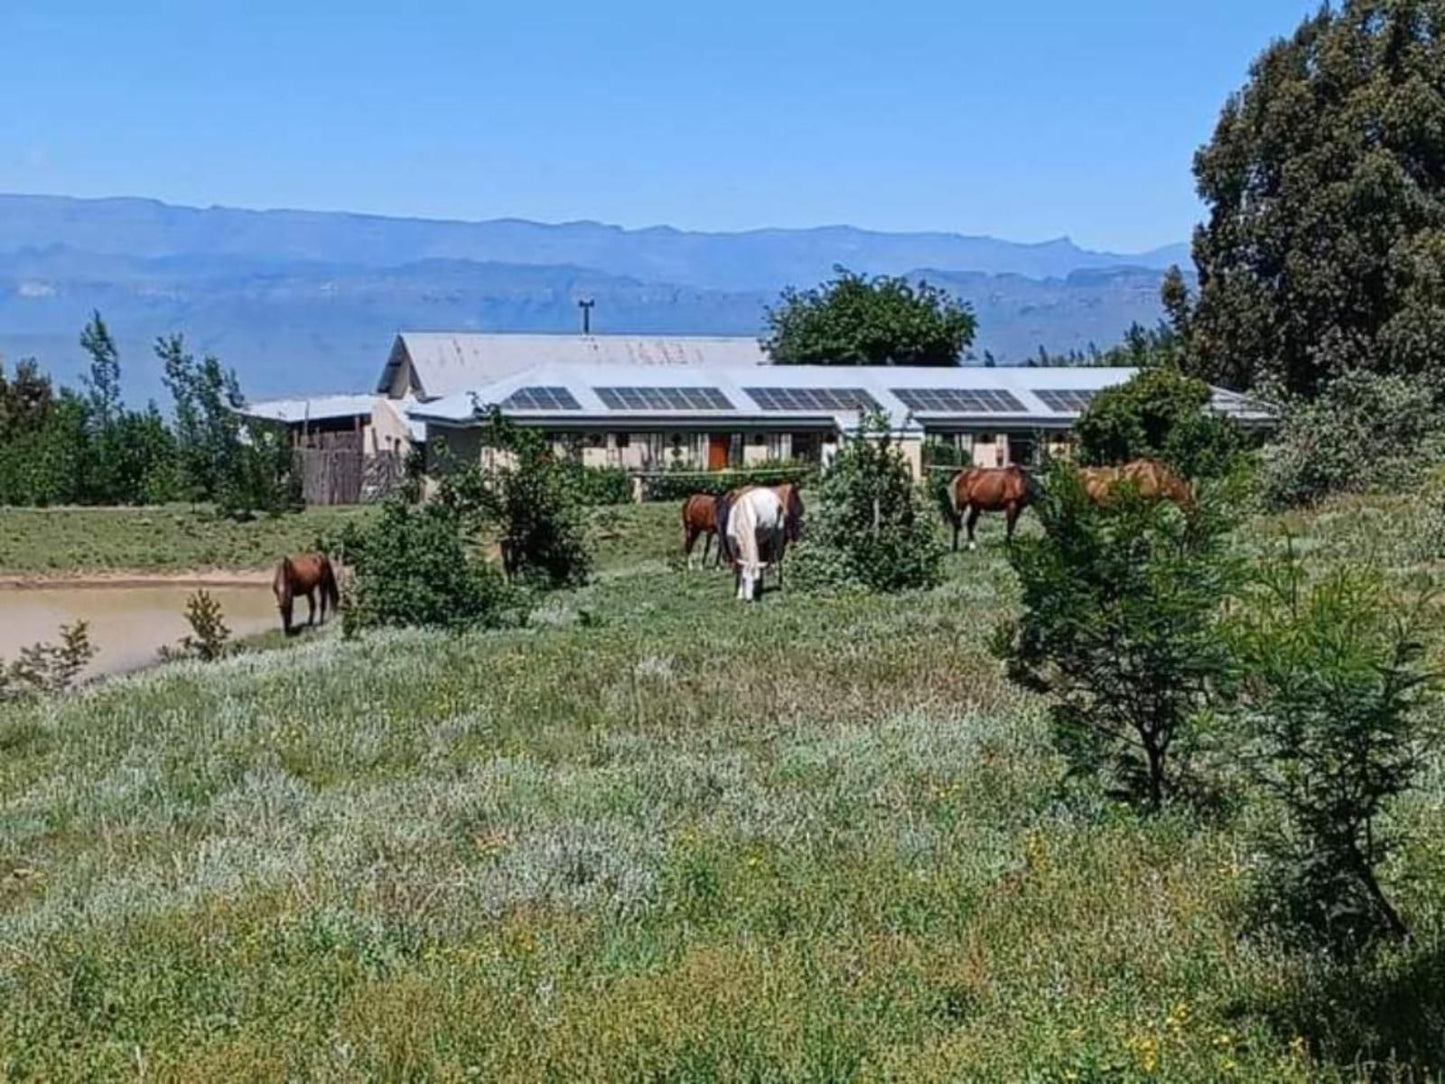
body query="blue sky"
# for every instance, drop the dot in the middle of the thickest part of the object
(1026, 120)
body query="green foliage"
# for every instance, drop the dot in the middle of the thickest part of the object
(1159, 413)
(1334, 710)
(856, 320)
(47, 668)
(533, 497)
(420, 566)
(1364, 432)
(942, 460)
(595, 487)
(870, 527)
(678, 485)
(1324, 245)
(1120, 625)
(209, 638)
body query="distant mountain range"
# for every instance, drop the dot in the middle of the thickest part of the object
(308, 301)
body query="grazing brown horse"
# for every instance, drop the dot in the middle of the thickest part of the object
(988, 489)
(699, 519)
(1154, 480)
(306, 574)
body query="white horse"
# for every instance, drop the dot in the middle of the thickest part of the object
(757, 522)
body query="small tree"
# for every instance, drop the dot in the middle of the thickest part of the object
(870, 528)
(855, 320)
(1159, 413)
(1120, 625)
(209, 638)
(1333, 710)
(48, 668)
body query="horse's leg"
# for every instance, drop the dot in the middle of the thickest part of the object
(957, 526)
(973, 514)
(311, 608)
(1011, 514)
(689, 539)
(286, 611)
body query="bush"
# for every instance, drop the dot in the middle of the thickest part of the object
(209, 638)
(598, 486)
(1121, 626)
(412, 566)
(1333, 711)
(679, 484)
(1158, 413)
(46, 668)
(1366, 431)
(870, 529)
(951, 459)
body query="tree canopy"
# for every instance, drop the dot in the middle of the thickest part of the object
(856, 320)
(1324, 249)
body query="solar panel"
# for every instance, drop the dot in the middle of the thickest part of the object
(959, 401)
(1066, 400)
(539, 398)
(800, 399)
(663, 399)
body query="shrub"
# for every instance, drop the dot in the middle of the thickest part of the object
(1121, 626)
(598, 486)
(209, 638)
(1159, 413)
(680, 483)
(942, 460)
(413, 566)
(1333, 711)
(1366, 431)
(870, 528)
(48, 668)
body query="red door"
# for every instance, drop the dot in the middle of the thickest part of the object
(717, 451)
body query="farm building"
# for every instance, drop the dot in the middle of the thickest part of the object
(715, 416)
(369, 423)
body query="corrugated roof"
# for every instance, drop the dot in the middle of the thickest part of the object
(445, 363)
(882, 383)
(319, 408)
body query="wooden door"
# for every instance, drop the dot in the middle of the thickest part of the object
(718, 445)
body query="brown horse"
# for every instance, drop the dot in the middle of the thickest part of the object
(792, 502)
(699, 518)
(306, 574)
(1154, 480)
(988, 489)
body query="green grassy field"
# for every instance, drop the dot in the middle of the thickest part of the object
(659, 835)
(168, 538)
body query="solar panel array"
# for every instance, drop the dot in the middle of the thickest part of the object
(799, 399)
(959, 401)
(1065, 400)
(539, 398)
(663, 399)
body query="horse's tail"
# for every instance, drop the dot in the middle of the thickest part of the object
(330, 589)
(281, 582)
(954, 485)
(722, 512)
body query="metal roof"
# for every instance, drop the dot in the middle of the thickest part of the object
(320, 408)
(444, 363)
(1018, 406)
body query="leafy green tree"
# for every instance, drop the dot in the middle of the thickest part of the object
(856, 320)
(1159, 413)
(1324, 250)
(1334, 713)
(870, 528)
(1120, 625)
(25, 399)
(103, 381)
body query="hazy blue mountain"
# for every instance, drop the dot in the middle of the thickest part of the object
(303, 326)
(757, 259)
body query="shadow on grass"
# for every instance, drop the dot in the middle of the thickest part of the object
(1386, 1016)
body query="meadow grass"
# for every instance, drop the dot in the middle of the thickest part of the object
(657, 835)
(165, 538)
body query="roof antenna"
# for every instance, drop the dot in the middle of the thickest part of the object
(586, 307)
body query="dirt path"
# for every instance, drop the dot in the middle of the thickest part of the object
(41, 581)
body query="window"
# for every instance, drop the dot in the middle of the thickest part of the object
(959, 401)
(832, 400)
(663, 399)
(541, 399)
(1066, 401)
(624, 440)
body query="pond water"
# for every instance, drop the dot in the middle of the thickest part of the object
(128, 624)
